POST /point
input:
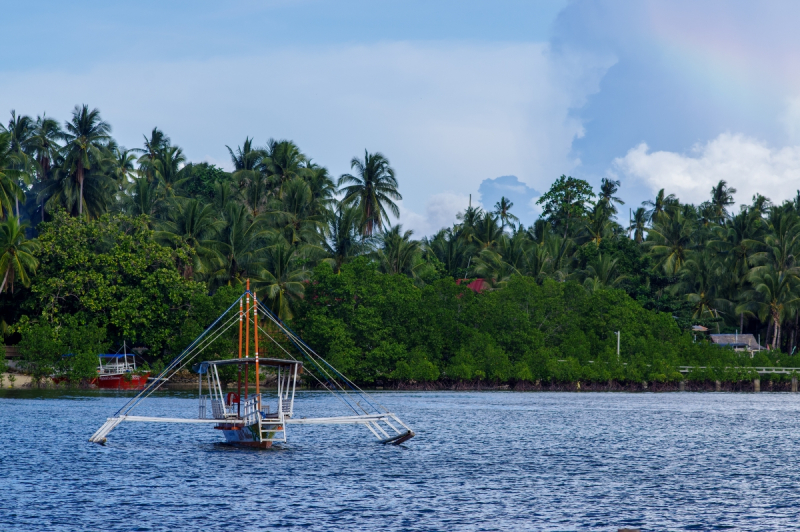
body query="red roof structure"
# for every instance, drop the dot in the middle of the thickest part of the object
(477, 286)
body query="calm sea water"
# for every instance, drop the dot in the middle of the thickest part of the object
(481, 461)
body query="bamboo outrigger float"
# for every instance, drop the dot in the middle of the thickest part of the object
(251, 421)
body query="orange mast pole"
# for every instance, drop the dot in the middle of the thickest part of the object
(239, 378)
(255, 334)
(247, 340)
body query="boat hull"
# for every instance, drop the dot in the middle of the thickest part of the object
(243, 436)
(122, 381)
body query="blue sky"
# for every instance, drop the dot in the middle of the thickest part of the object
(458, 95)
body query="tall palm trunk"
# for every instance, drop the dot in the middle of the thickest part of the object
(80, 180)
(2, 286)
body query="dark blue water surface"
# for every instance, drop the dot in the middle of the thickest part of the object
(481, 461)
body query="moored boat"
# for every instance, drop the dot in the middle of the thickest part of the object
(253, 420)
(118, 372)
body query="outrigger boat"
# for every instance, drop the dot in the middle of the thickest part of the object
(252, 421)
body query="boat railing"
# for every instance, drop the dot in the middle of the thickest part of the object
(250, 407)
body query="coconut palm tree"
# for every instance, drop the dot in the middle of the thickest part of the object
(774, 297)
(243, 242)
(167, 168)
(700, 281)
(670, 241)
(17, 259)
(721, 199)
(143, 197)
(397, 251)
(20, 128)
(193, 224)
(342, 238)
(451, 249)
(281, 278)
(502, 209)
(659, 205)
(283, 162)
(372, 188)
(85, 135)
(246, 162)
(44, 149)
(10, 191)
(638, 225)
(153, 147)
(292, 214)
(602, 272)
(490, 266)
(609, 187)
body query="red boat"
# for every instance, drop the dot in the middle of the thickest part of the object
(118, 372)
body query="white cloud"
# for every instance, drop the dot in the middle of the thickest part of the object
(746, 164)
(446, 115)
(440, 212)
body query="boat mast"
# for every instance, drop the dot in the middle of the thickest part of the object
(239, 377)
(247, 339)
(255, 335)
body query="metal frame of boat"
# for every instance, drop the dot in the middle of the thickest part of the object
(254, 421)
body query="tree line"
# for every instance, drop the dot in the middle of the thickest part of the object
(75, 206)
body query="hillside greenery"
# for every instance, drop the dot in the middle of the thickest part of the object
(101, 245)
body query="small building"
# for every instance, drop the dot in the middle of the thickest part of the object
(739, 342)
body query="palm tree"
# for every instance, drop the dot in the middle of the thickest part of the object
(700, 280)
(44, 148)
(153, 147)
(487, 233)
(602, 272)
(396, 252)
(670, 241)
(659, 205)
(373, 188)
(774, 296)
(293, 214)
(193, 224)
(342, 238)
(283, 162)
(608, 188)
(323, 189)
(143, 197)
(10, 190)
(503, 211)
(489, 265)
(450, 248)
(281, 277)
(638, 225)
(242, 244)
(17, 260)
(721, 199)
(167, 168)
(246, 162)
(20, 128)
(84, 134)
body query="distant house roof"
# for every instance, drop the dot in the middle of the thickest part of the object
(699, 328)
(736, 340)
(477, 286)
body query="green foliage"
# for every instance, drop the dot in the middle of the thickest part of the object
(111, 272)
(69, 349)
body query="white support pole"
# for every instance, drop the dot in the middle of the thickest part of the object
(617, 344)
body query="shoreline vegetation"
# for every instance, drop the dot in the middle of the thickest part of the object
(101, 245)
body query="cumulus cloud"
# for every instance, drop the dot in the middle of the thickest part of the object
(749, 165)
(440, 211)
(447, 115)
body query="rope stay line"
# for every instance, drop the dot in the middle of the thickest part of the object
(295, 339)
(135, 400)
(314, 358)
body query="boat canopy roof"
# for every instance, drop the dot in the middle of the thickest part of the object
(275, 362)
